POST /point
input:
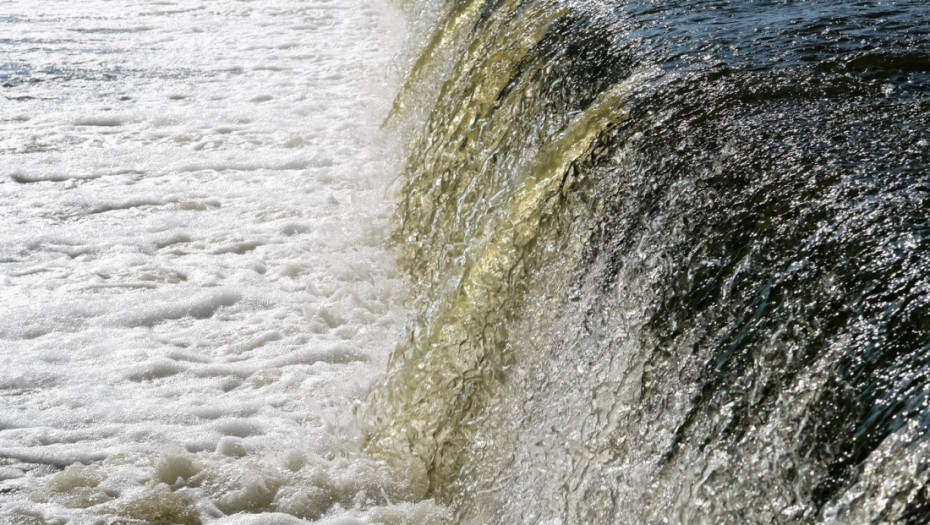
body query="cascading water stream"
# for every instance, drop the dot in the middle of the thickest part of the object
(670, 262)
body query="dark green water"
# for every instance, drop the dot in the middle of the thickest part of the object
(672, 263)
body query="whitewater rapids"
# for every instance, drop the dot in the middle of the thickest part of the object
(195, 285)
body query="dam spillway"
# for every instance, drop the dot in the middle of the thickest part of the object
(669, 263)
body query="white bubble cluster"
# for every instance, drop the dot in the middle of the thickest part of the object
(194, 281)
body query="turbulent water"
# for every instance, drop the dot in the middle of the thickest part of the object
(194, 285)
(670, 262)
(660, 262)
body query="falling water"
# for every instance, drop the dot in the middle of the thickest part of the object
(669, 263)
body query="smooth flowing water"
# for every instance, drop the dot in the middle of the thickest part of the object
(670, 262)
(194, 285)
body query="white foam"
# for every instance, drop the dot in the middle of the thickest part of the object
(195, 289)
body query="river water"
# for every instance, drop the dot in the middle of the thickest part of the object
(599, 262)
(195, 284)
(670, 263)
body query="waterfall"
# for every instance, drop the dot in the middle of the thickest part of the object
(669, 263)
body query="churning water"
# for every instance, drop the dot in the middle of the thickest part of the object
(661, 262)
(194, 282)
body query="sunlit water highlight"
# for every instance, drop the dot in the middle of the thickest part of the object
(669, 261)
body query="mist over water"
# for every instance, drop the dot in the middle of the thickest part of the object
(669, 263)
